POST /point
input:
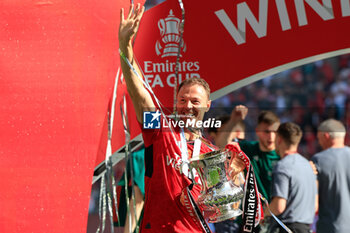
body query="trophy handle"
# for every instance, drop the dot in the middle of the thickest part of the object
(204, 188)
(161, 26)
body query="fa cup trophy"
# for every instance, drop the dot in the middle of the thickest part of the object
(219, 196)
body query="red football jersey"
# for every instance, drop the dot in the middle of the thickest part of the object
(164, 183)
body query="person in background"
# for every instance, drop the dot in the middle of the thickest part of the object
(333, 164)
(261, 153)
(139, 188)
(294, 187)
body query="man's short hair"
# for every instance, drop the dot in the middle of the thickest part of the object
(335, 128)
(268, 117)
(290, 133)
(193, 81)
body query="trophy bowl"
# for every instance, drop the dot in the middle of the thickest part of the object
(219, 197)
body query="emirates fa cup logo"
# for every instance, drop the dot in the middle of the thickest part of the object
(169, 31)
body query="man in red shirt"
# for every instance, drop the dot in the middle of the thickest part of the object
(167, 152)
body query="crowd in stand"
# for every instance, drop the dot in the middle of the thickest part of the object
(315, 97)
(152, 3)
(306, 95)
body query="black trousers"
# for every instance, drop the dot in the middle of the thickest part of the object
(296, 227)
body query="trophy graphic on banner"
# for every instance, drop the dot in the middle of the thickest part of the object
(169, 30)
(219, 196)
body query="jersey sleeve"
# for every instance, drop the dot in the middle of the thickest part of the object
(280, 184)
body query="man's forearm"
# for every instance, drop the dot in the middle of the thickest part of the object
(225, 135)
(140, 97)
(278, 205)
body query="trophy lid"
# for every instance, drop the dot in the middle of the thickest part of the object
(209, 155)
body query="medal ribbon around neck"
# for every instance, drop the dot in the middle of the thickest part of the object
(184, 153)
